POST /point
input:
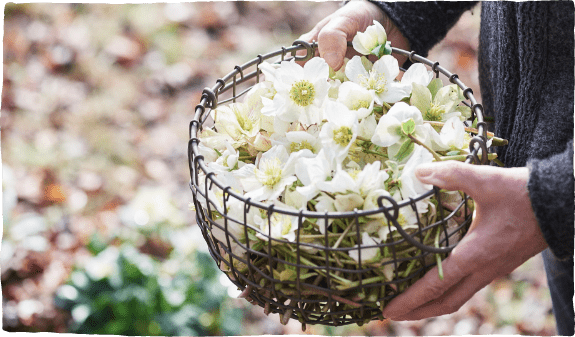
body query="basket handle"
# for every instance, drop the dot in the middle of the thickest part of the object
(308, 47)
(403, 233)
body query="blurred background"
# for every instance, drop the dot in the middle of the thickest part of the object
(97, 233)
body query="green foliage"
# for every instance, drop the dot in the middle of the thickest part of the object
(136, 295)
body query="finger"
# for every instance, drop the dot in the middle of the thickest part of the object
(451, 301)
(478, 181)
(428, 288)
(332, 40)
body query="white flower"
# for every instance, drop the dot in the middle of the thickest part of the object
(441, 105)
(371, 201)
(374, 36)
(210, 155)
(453, 134)
(367, 254)
(267, 180)
(356, 98)
(296, 141)
(254, 100)
(339, 133)
(411, 187)
(237, 121)
(282, 226)
(215, 140)
(418, 74)
(406, 218)
(366, 127)
(301, 92)
(380, 79)
(227, 161)
(388, 132)
(311, 171)
(324, 204)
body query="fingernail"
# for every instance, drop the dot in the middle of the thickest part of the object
(333, 60)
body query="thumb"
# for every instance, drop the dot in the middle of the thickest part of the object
(454, 175)
(332, 40)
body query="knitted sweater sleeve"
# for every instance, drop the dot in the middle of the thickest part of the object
(551, 191)
(424, 24)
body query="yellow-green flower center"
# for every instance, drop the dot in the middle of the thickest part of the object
(302, 93)
(243, 119)
(343, 135)
(304, 144)
(270, 172)
(357, 104)
(374, 81)
(435, 113)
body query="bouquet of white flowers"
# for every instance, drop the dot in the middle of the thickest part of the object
(305, 189)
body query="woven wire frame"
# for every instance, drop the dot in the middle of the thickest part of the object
(321, 299)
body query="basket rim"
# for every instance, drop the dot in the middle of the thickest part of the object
(209, 100)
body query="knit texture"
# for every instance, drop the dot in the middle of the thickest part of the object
(526, 65)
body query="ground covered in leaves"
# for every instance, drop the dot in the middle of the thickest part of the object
(96, 103)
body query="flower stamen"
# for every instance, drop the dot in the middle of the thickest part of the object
(302, 93)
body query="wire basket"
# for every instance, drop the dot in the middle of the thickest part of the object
(320, 299)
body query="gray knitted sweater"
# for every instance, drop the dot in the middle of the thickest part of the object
(526, 75)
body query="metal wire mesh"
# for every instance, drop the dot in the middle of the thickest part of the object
(317, 294)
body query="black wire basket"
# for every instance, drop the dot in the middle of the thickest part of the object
(321, 299)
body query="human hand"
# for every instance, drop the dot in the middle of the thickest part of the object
(333, 32)
(503, 235)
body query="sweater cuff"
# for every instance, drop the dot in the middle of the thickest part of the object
(424, 24)
(551, 192)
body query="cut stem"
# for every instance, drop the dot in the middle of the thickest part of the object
(438, 256)
(418, 142)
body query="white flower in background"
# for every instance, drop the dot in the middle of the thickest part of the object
(367, 254)
(410, 186)
(238, 121)
(339, 133)
(311, 171)
(453, 134)
(441, 105)
(274, 171)
(380, 79)
(152, 206)
(105, 264)
(277, 226)
(417, 73)
(301, 92)
(356, 98)
(388, 132)
(373, 37)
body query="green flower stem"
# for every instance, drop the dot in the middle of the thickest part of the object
(375, 153)
(246, 157)
(336, 244)
(310, 264)
(365, 281)
(362, 139)
(417, 141)
(385, 104)
(438, 256)
(463, 157)
(490, 135)
(498, 162)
